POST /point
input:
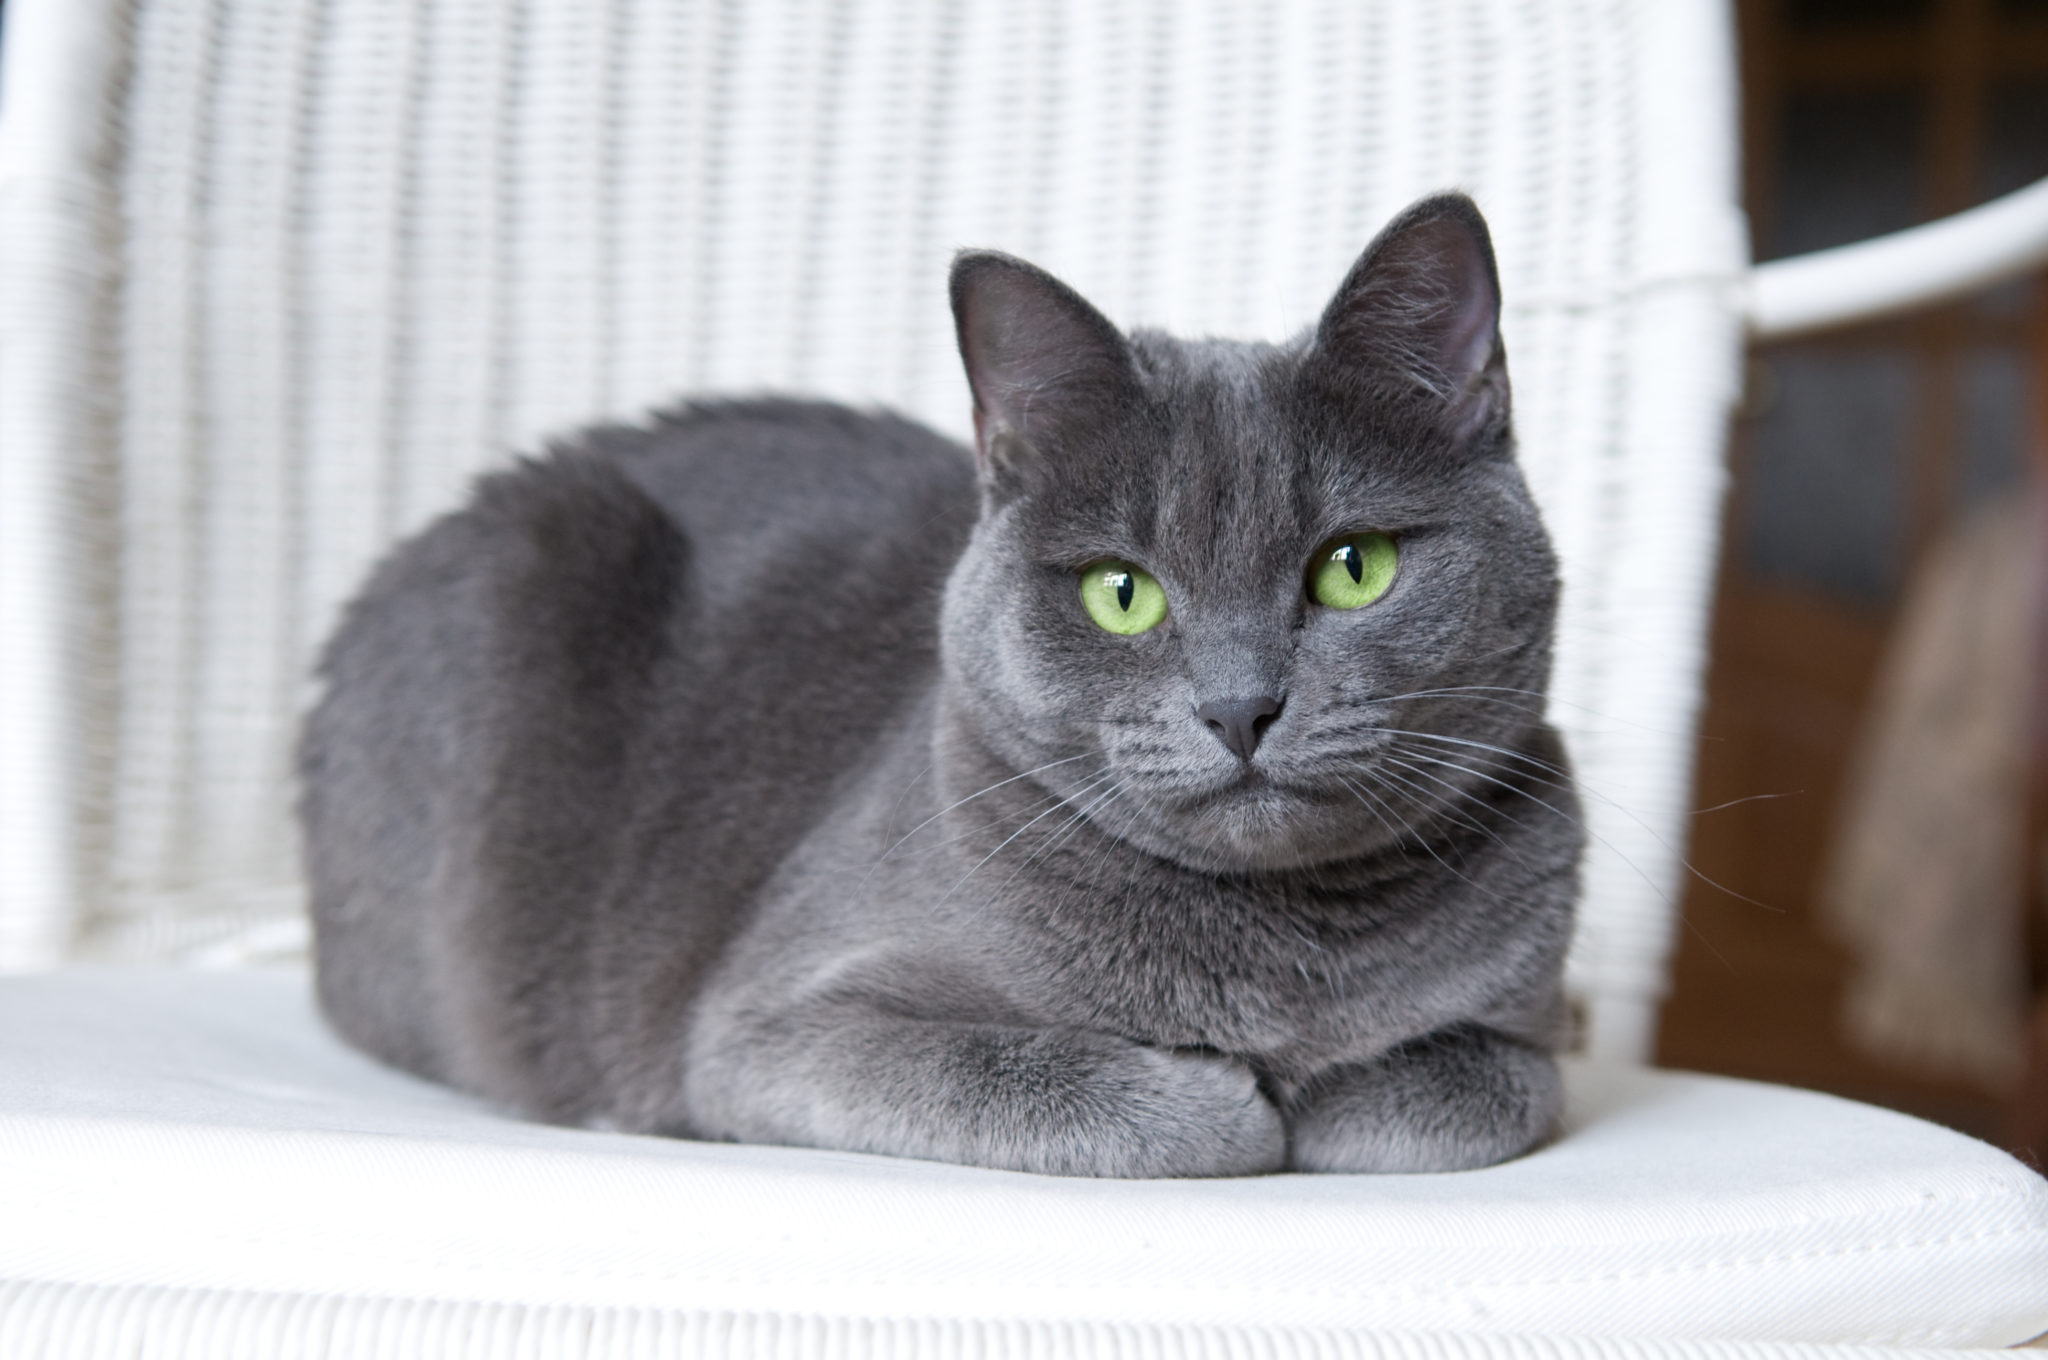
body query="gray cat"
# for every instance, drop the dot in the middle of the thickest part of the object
(1160, 791)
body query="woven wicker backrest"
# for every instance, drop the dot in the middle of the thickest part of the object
(328, 258)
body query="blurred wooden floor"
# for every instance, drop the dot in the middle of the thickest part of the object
(1757, 986)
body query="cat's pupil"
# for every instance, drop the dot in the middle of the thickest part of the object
(1354, 561)
(1126, 587)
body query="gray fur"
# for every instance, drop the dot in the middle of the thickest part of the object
(758, 775)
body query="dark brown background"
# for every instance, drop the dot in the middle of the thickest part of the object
(1853, 452)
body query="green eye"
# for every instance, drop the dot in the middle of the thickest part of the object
(1353, 571)
(1121, 598)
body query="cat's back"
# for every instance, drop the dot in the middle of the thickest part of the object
(599, 703)
(744, 478)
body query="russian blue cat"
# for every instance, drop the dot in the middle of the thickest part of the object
(1159, 790)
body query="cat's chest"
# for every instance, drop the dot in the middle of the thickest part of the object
(1295, 977)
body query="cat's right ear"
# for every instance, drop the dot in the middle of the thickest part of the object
(1042, 364)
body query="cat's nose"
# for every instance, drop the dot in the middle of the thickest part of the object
(1239, 723)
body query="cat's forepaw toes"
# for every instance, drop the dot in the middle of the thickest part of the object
(1438, 1105)
(1174, 1113)
(1221, 1125)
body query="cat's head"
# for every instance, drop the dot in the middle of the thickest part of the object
(1265, 604)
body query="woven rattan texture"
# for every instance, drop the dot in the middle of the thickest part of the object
(48, 1319)
(368, 248)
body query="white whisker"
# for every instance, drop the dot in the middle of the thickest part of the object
(1093, 783)
(971, 797)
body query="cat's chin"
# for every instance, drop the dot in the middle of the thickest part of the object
(1250, 826)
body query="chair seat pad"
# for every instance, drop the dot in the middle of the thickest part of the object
(204, 1131)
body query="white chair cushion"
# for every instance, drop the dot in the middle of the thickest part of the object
(167, 1133)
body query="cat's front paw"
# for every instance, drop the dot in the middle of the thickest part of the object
(1461, 1098)
(1184, 1113)
(1067, 1102)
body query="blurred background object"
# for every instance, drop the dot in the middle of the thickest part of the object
(1871, 653)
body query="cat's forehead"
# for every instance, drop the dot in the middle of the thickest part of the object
(1193, 378)
(1236, 473)
(1246, 465)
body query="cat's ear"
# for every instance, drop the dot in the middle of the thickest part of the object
(1041, 361)
(1417, 321)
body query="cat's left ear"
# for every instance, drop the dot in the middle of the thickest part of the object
(1044, 365)
(1417, 321)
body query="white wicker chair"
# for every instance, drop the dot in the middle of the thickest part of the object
(277, 276)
